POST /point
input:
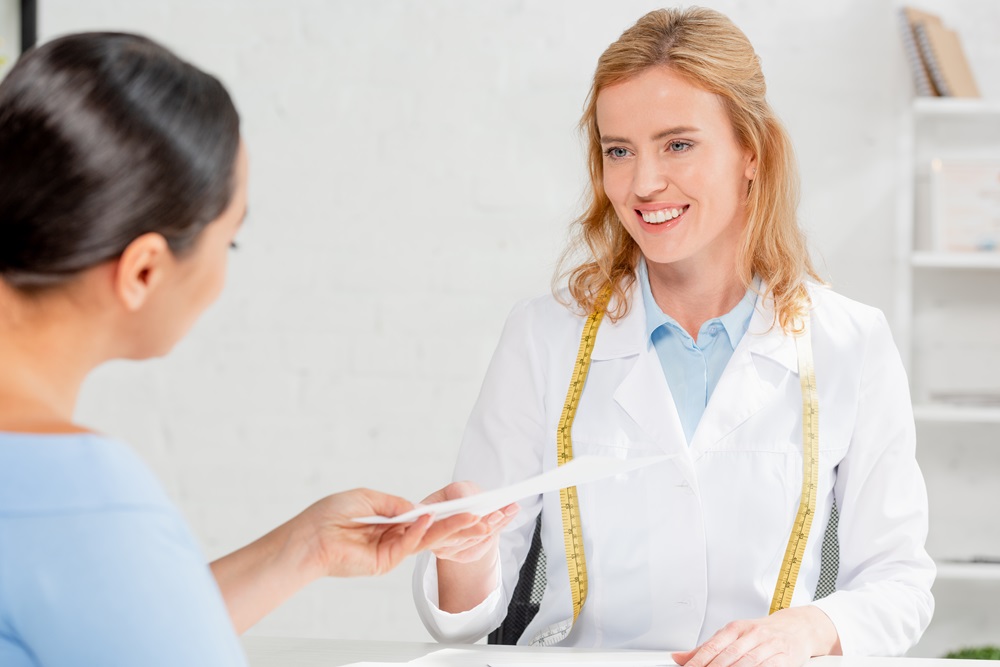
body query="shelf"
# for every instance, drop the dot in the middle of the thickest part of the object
(968, 571)
(936, 412)
(955, 106)
(956, 260)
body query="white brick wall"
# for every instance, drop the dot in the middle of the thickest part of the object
(414, 168)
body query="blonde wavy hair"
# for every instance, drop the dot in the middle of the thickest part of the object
(707, 49)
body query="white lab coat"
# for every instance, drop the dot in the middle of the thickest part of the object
(677, 550)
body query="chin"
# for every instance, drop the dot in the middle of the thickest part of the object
(149, 350)
(661, 255)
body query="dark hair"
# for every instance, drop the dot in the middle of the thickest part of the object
(105, 137)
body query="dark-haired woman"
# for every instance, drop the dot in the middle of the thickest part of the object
(122, 184)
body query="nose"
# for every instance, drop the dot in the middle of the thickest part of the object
(649, 177)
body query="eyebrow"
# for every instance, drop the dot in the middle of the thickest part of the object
(681, 129)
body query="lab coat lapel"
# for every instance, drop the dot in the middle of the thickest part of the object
(643, 393)
(741, 391)
(645, 396)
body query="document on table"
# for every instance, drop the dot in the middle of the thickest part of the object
(579, 471)
(611, 659)
(509, 656)
(506, 657)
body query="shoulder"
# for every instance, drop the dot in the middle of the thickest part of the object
(842, 317)
(50, 474)
(103, 561)
(553, 309)
(544, 318)
(849, 334)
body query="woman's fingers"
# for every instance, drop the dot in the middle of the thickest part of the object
(443, 531)
(451, 492)
(473, 542)
(778, 640)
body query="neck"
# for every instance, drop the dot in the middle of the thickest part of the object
(47, 348)
(693, 294)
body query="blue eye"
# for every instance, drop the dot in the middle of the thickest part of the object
(617, 153)
(678, 146)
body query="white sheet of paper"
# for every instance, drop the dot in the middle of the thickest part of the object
(596, 660)
(579, 471)
(604, 660)
(503, 656)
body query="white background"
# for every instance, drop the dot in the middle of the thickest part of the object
(415, 166)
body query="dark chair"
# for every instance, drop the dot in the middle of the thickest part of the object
(531, 581)
(527, 594)
(830, 564)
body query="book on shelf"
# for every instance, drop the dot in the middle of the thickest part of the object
(921, 77)
(935, 56)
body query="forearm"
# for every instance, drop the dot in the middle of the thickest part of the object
(256, 579)
(463, 586)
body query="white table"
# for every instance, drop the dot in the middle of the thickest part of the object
(295, 652)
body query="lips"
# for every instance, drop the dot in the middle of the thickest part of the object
(662, 215)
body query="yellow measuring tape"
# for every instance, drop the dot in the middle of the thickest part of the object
(790, 565)
(576, 561)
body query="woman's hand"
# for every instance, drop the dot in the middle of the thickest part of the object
(324, 540)
(345, 548)
(476, 539)
(467, 561)
(786, 638)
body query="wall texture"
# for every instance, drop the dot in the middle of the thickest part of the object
(414, 169)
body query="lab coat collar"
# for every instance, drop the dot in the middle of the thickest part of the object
(746, 385)
(645, 395)
(765, 337)
(627, 337)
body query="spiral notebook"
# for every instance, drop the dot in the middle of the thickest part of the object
(908, 18)
(936, 57)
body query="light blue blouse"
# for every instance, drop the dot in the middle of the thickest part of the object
(693, 367)
(97, 567)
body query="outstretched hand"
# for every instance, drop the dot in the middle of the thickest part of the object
(324, 540)
(346, 548)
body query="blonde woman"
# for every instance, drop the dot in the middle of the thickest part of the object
(703, 352)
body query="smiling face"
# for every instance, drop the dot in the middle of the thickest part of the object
(673, 169)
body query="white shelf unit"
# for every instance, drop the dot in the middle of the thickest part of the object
(951, 570)
(958, 414)
(955, 260)
(957, 444)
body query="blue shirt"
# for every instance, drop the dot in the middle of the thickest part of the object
(693, 367)
(97, 567)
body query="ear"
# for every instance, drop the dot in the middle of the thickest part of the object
(750, 171)
(141, 268)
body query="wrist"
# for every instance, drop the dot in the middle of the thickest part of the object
(464, 586)
(824, 638)
(302, 549)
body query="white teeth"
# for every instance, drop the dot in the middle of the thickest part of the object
(662, 215)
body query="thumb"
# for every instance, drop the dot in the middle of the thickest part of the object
(681, 657)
